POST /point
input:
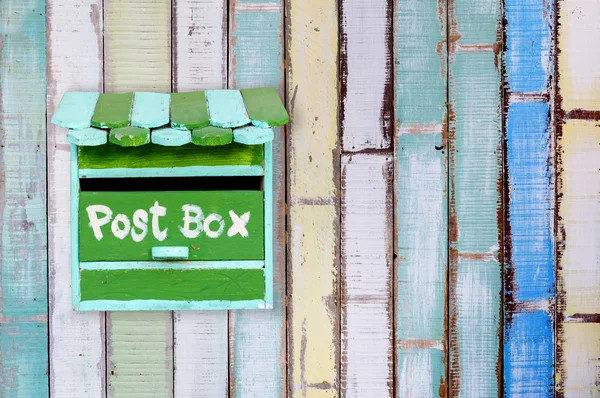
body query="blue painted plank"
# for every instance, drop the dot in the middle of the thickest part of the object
(75, 110)
(150, 110)
(23, 236)
(171, 137)
(90, 136)
(251, 135)
(226, 108)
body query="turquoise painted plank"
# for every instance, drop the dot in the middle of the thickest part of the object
(170, 253)
(415, 377)
(90, 136)
(478, 22)
(251, 135)
(166, 305)
(74, 175)
(191, 171)
(23, 229)
(226, 108)
(171, 137)
(75, 110)
(256, 60)
(268, 222)
(246, 264)
(150, 110)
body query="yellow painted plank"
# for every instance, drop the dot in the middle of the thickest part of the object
(313, 333)
(579, 56)
(580, 353)
(137, 57)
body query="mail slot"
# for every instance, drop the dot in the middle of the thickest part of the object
(171, 198)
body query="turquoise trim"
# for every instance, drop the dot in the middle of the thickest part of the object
(192, 171)
(150, 110)
(252, 135)
(75, 282)
(111, 265)
(171, 137)
(226, 108)
(268, 195)
(75, 110)
(168, 305)
(171, 253)
(90, 136)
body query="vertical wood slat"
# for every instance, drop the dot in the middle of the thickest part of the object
(366, 103)
(529, 246)
(200, 63)
(475, 198)
(313, 332)
(23, 244)
(578, 200)
(137, 57)
(258, 337)
(77, 346)
(421, 197)
(366, 276)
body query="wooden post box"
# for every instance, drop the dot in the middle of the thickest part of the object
(171, 198)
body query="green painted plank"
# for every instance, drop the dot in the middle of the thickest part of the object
(112, 111)
(129, 136)
(150, 110)
(90, 136)
(252, 135)
(171, 137)
(226, 108)
(113, 156)
(264, 107)
(212, 136)
(215, 225)
(165, 284)
(75, 110)
(189, 111)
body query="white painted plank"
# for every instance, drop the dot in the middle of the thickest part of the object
(200, 63)
(366, 276)
(77, 362)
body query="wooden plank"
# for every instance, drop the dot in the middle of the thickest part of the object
(150, 110)
(189, 111)
(313, 339)
(366, 102)
(421, 198)
(251, 135)
(167, 136)
(226, 108)
(212, 136)
(475, 199)
(256, 60)
(23, 220)
(200, 63)
(264, 107)
(137, 57)
(578, 278)
(90, 136)
(75, 110)
(366, 276)
(129, 136)
(77, 345)
(113, 111)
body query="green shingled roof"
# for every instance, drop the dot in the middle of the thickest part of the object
(205, 118)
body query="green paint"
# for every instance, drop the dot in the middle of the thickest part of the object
(168, 284)
(212, 136)
(129, 136)
(189, 111)
(113, 156)
(202, 247)
(112, 110)
(264, 107)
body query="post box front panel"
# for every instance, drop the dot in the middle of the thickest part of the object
(211, 225)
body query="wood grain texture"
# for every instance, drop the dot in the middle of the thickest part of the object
(256, 60)
(200, 63)
(475, 199)
(366, 103)
(578, 282)
(77, 345)
(313, 334)
(137, 57)
(23, 234)
(366, 276)
(420, 184)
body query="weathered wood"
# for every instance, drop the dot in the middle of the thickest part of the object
(90, 136)
(77, 345)
(420, 53)
(366, 276)
(113, 111)
(264, 107)
(189, 111)
(150, 110)
(76, 110)
(140, 346)
(226, 108)
(256, 60)
(475, 199)
(212, 136)
(23, 237)
(167, 136)
(367, 103)
(313, 261)
(251, 135)
(129, 136)
(200, 63)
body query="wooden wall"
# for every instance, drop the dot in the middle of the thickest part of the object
(437, 198)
